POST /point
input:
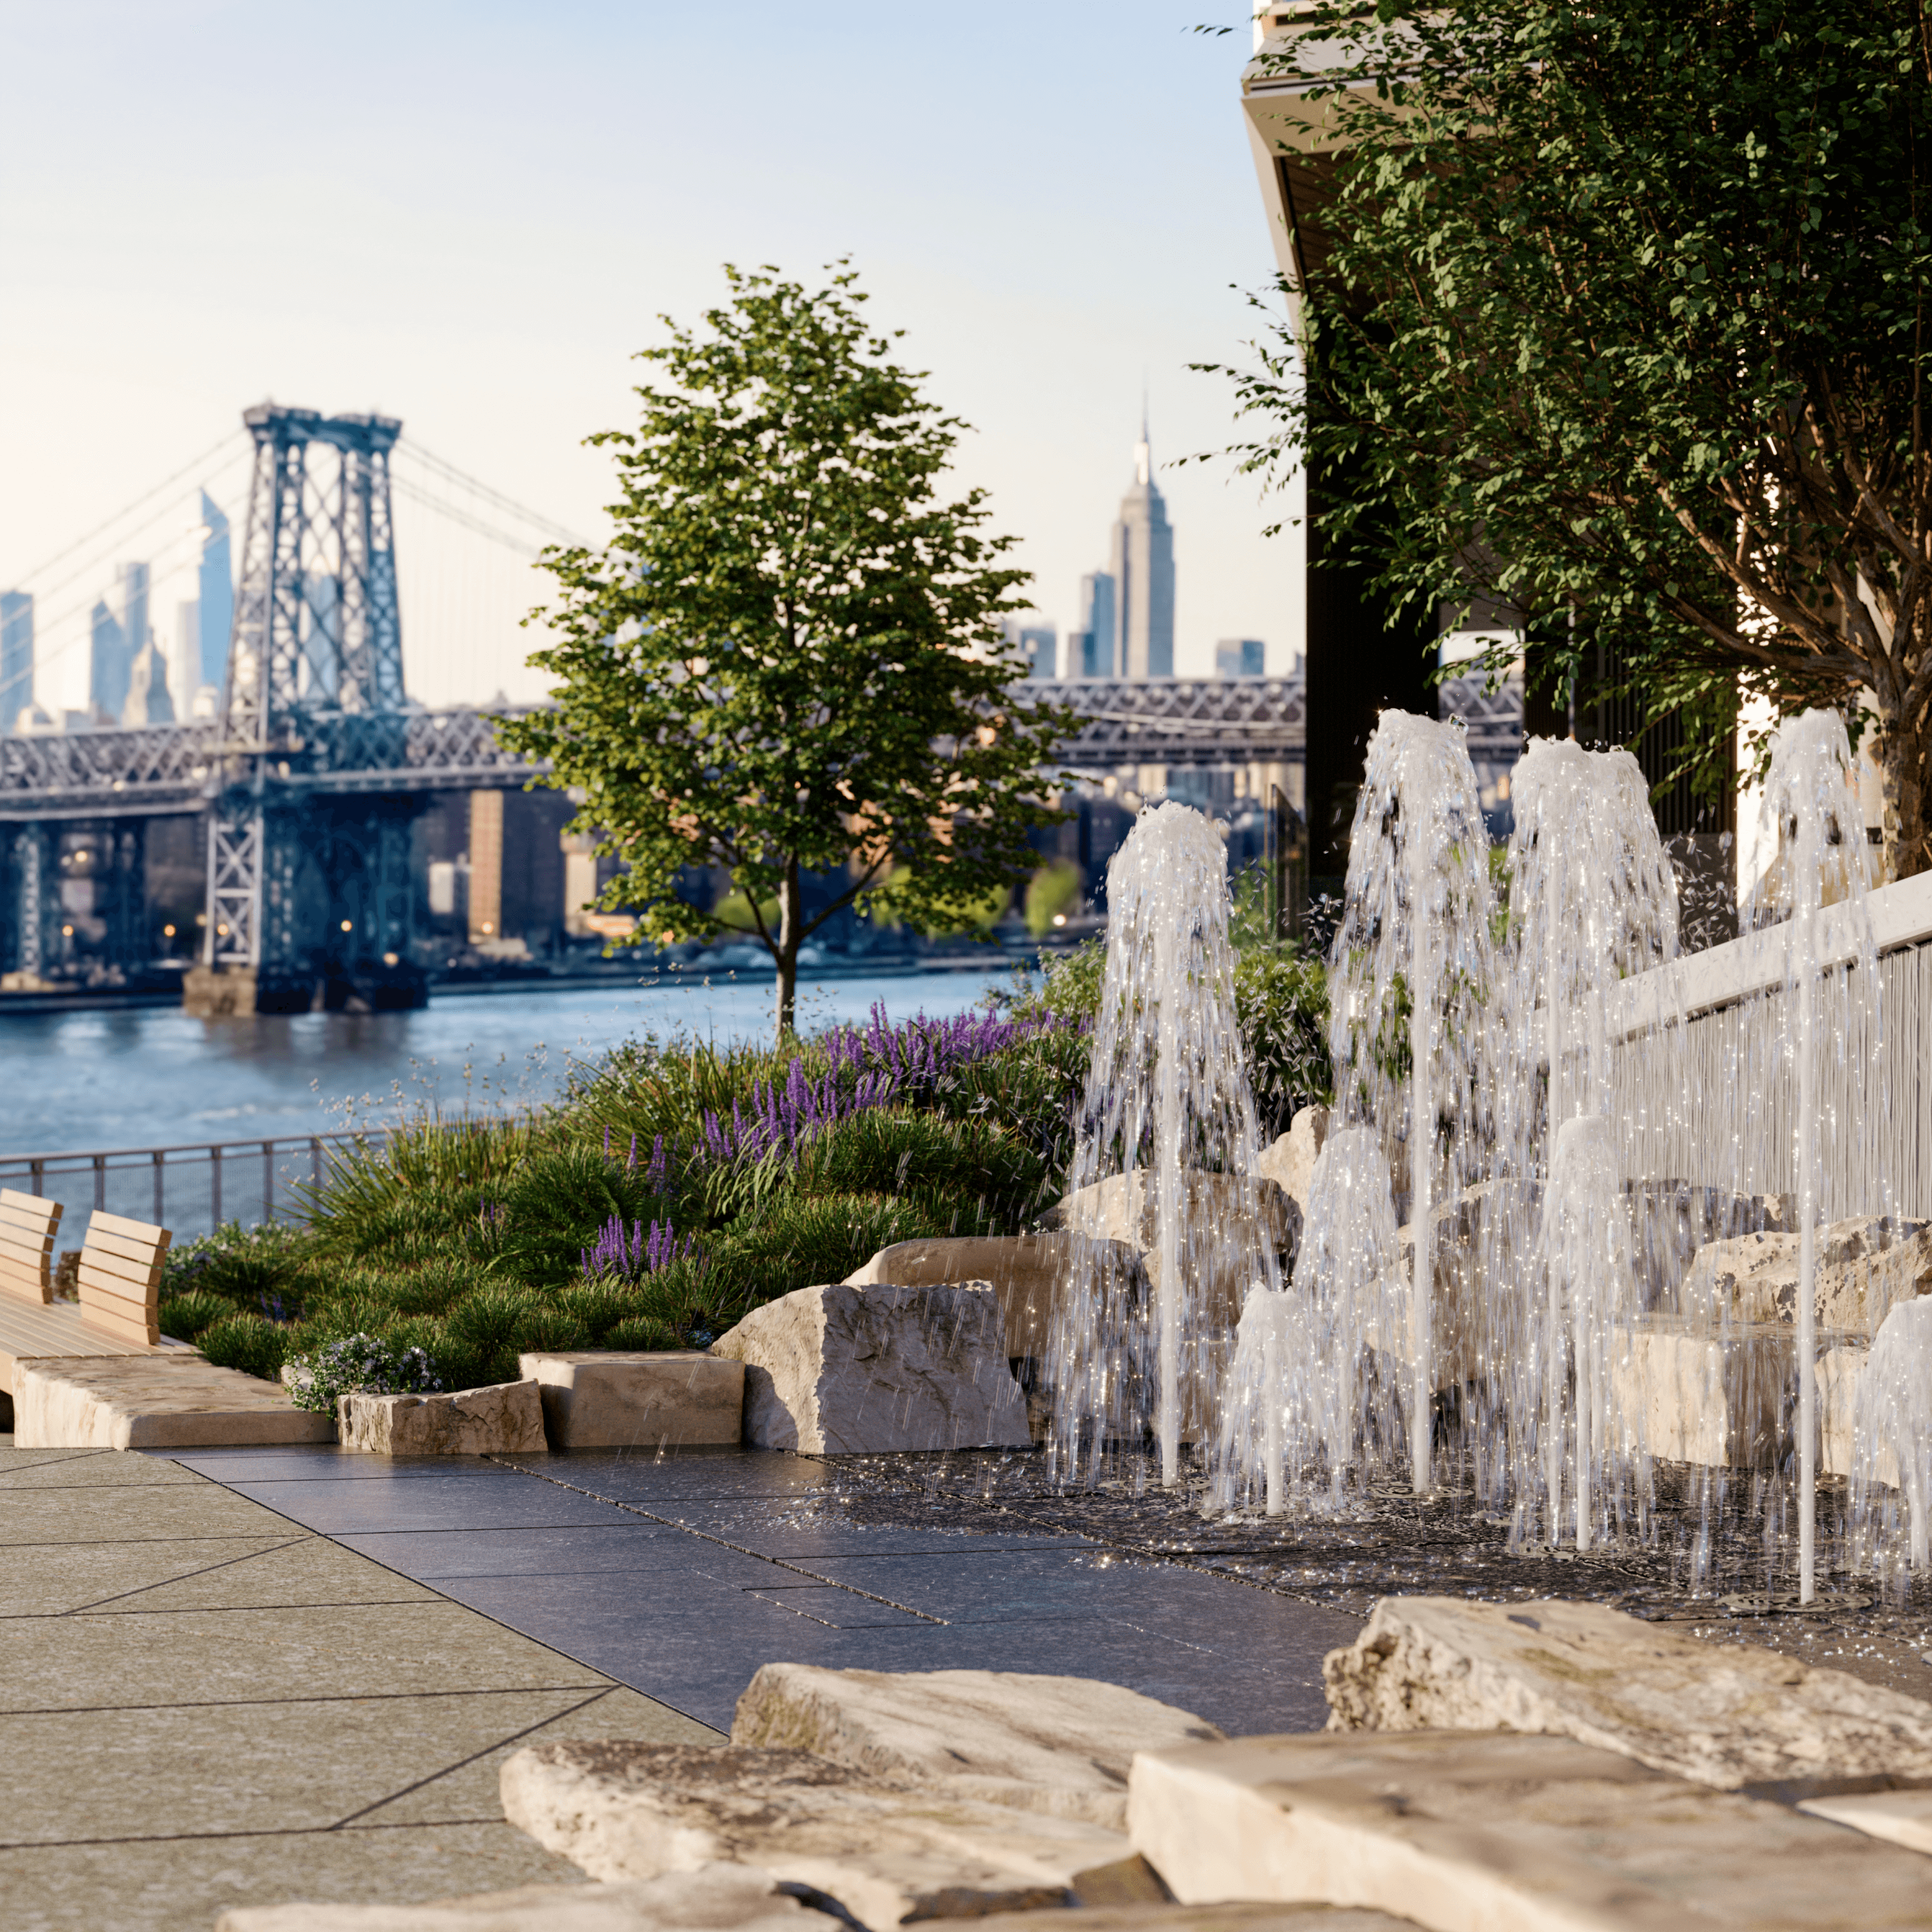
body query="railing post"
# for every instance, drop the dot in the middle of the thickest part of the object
(160, 1208)
(268, 1181)
(100, 1183)
(38, 1169)
(214, 1182)
(315, 1159)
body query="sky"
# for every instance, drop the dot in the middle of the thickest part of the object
(471, 216)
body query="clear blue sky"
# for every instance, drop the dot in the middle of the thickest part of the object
(469, 216)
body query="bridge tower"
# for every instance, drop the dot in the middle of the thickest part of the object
(309, 884)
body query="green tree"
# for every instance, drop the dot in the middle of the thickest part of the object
(789, 658)
(1617, 315)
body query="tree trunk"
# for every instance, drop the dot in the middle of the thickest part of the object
(1903, 748)
(791, 925)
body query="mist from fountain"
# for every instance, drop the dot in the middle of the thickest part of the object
(1811, 817)
(1891, 1423)
(1410, 971)
(1167, 1100)
(1317, 1383)
(1592, 900)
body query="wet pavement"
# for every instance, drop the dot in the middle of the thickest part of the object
(679, 1574)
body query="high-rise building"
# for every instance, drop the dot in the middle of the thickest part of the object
(1141, 565)
(110, 666)
(1090, 646)
(1241, 657)
(215, 604)
(17, 656)
(1038, 644)
(184, 660)
(149, 700)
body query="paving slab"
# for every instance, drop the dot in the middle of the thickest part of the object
(136, 1513)
(632, 1547)
(88, 1573)
(1469, 1831)
(87, 1469)
(482, 1498)
(175, 1399)
(179, 1885)
(1734, 1717)
(306, 1572)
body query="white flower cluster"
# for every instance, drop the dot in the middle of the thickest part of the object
(358, 1364)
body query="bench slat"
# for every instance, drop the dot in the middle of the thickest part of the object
(23, 1267)
(24, 1294)
(136, 1278)
(32, 1206)
(24, 1240)
(37, 1227)
(146, 1253)
(117, 1300)
(105, 1321)
(135, 1231)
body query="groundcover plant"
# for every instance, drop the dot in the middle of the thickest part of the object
(675, 1185)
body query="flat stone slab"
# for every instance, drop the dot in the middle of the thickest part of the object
(886, 1851)
(1736, 1717)
(1486, 1831)
(594, 1399)
(1059, 1745)
(502, 1418)
(841, 1370)
(174, 1400)
(1026, 1272)
(713, 1896)
(1232, 1916)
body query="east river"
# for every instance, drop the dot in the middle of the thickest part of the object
(150, 1077)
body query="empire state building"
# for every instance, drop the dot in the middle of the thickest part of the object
(1141, 564)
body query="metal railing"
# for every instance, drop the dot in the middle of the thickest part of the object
(190, 1189)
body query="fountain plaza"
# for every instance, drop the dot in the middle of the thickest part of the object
(1577, 1351)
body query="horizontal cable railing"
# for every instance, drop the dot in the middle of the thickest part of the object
(190, 1189)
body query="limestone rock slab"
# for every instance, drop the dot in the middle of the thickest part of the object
(1290, 1159)
(1734, 1717)
(1226, 1915)
(1477, 1832)
(841, 1370)
(598, 1399)
(1236, 1215)
(1060, 1745)
(1903, 1817)
(886, 1851)
(1027, 1272)
(1865, 1264)
(499, 1419)
(172, 1399)
(711, 1899)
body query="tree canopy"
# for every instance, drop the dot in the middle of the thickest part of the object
(789, 659)
(1618, 318)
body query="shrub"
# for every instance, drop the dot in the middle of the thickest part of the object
(252, 1343)
(358, 1364)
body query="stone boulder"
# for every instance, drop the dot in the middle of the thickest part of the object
(1290, 1159)
(504, 1418)
(1739, 1718)
(885, 1851)
(1865, 1264)
(1227, 1220)
(595, 1399)
(1060, 1745)
(170, 1399)
(841, 1370)
(1671, 1220)
(714, 1898)
(1027, 1272)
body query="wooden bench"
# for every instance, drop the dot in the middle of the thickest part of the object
(120, 1286)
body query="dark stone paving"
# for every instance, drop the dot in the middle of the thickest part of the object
(679, 1574)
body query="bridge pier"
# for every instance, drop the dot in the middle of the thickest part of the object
(29, 907)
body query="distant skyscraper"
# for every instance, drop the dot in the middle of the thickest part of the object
(110, 668)
(1142, 567)
(216, 603)
(1038, 644)
(17, 656)
(1090, 646)
(149, 702)
(184, 660)
(1241, 657)
(131, 579)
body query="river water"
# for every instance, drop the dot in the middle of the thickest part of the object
(143, 1077)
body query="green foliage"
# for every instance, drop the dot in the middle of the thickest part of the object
(790, 658)
(1053, 890)
(1618, 321)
